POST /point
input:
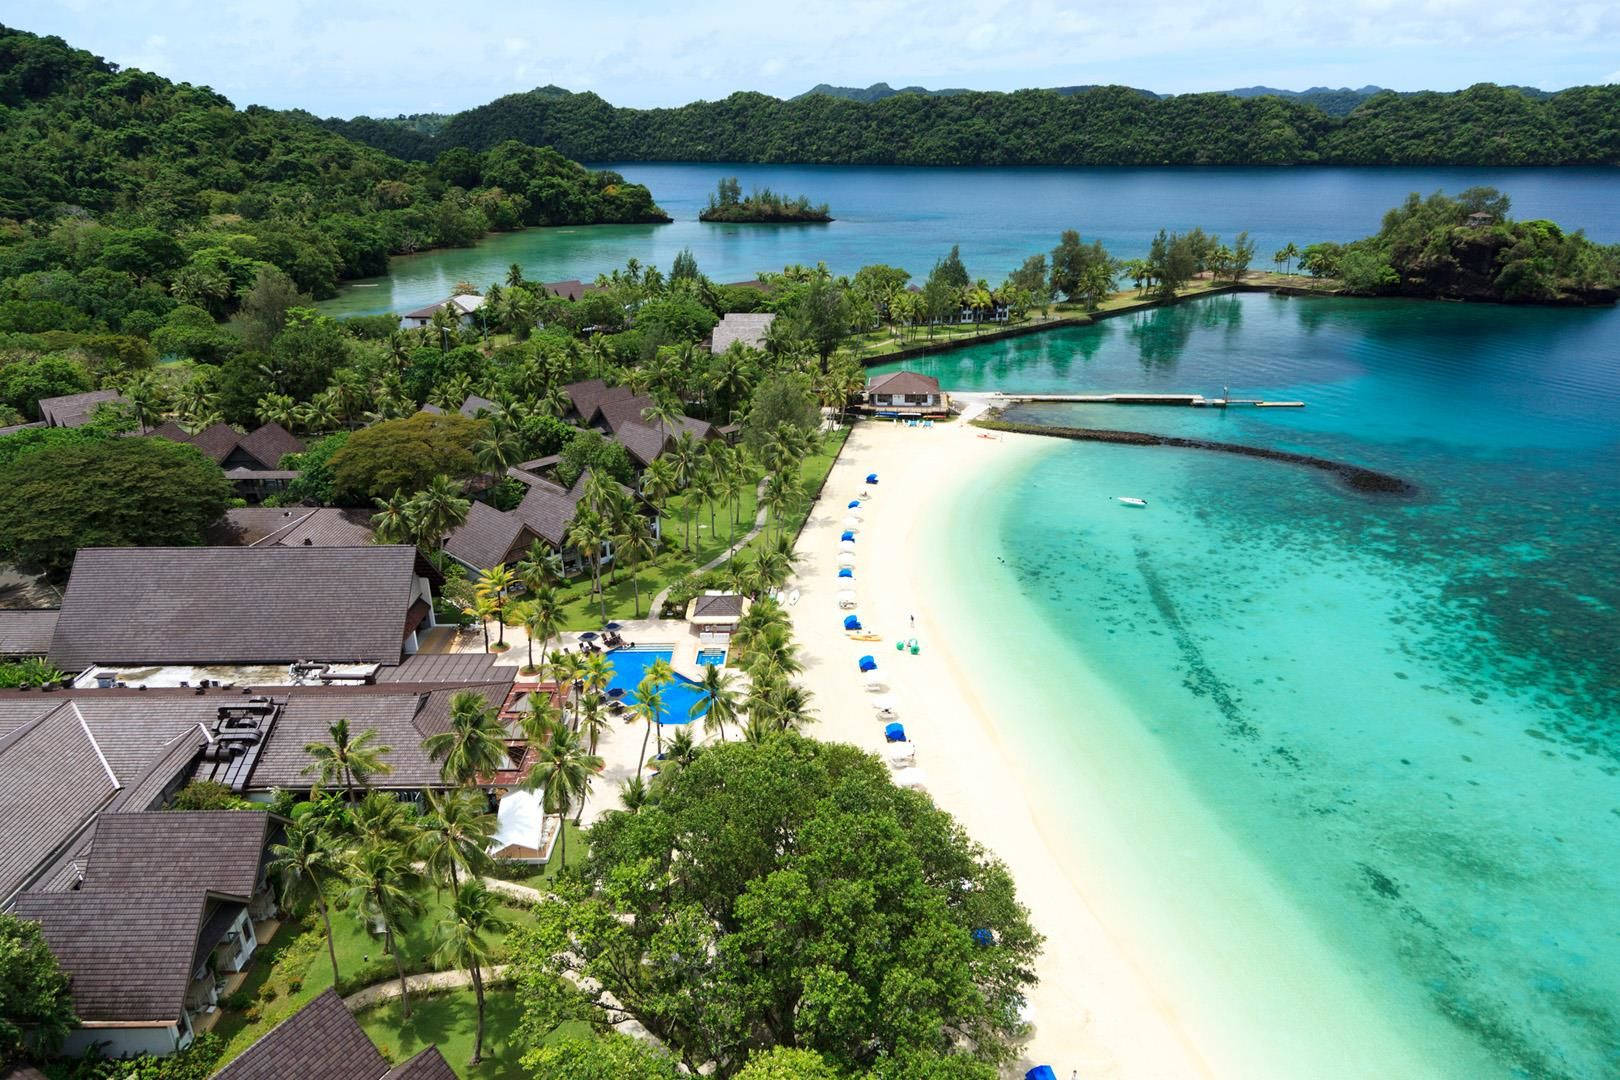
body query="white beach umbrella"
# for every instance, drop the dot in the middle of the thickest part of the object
(911, 778)
(846, 598)
(847, 545)
(846, 558)
(874, 681)
(902, 753)
(884, 702)
(851, 522)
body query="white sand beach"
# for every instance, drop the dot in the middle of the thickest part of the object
(1239, 987)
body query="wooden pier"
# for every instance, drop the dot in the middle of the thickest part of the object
(1196, 401)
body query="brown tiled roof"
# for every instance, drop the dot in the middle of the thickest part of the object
(549, 510)
(73, 410)
(14, 428)
(216, 441)
(227, 605)
(217, 851)
(721, 605)
(170, 430)
(53, 780)
(244, 473)
(247, 525)
(429, 1064)
(431, 409)
(270, 443)
(448, 668)
(129, 954)
(26, 633)
(584, 396)
(485, 537)
(328, 526)
(572, 289)
(625, 409)
(311, 711)
(642, 442)
(321, 1041)
(903, 382)
(475, 405)
(433, 715)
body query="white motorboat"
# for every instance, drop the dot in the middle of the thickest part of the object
(1131, 500)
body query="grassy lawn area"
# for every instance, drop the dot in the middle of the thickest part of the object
(541, 877)
(293, 969)
(583, 610)
(449, 1021)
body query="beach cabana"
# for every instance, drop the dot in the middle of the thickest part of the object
(1041, 1072)
(854, 504)
(846, 571)
(867, 662)
(895, 733)
(871, 478)
(851, 622)
(884, 704)
(848, 537)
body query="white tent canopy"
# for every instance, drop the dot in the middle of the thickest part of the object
(520, 821)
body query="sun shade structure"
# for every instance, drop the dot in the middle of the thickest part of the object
(847, 546)
(846, 599)
(1041, 1072)
(848, 537)
(894, 732)
(851, 522)
(868, 663)
(851, 622)
(845, 571)
(871, 478)
(854, 504)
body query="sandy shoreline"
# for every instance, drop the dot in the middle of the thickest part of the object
(1095, 1009)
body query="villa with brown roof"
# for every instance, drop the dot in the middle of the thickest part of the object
(322, 1041)
(489, 536)
(745, 328)
(75, 410)
(252, 461)
(906, 393)
(465, 306)
(157, 910)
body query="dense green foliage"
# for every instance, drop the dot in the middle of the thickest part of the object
(785, 893)
(402, 455)
(149, 192)
(1110, 125)
(36, 1008)
(30, 672)
(106, 493)
(1430, 247)
(762, 206)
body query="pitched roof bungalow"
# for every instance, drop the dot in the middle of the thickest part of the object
(251, 461)
(749, 328)
(465, 305)
(267, 605)
(157, 909)
(322, 1041)
(905, 393)
(620, 413)
(26, 633)
(74, 410)
(490, 536)
(294, 526)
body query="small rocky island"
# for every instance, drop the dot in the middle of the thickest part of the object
(762, 207)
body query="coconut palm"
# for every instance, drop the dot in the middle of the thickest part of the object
(592, 719)
(541, 618)
(474, 745)
(481, 610)
(464, 941)
(589, 533)
(683, 749)
(790, 704)
(381, 883)
(439, 508)
(649, 707)
(781, 492)
(380, 818)
(303, 863)
(493, 586)
(496, 450)
(393, 523)
(350, 759)
(147, 398)
(277, 409)
(633, 794)
(685, 461)
(539, 567)
(455, 834)
(562, 768)
(718, 705)
(633, 541)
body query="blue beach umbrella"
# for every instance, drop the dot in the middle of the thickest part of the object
(847, 535)
(853, 504)
(846, 571)
(871, 478)
(1041, 1072)
(851, 622)
(867, 663)
(894, 733)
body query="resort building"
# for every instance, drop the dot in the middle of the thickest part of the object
(621, 414)
(905, 393)
(322, 1041)
(25, 633)
(489, 536)
(572, 289)
(150, 917)
(464, 305)
(297, 526)
(168, 612)
(738, 327)
(252, 462)
(715, 615)
(75, 410)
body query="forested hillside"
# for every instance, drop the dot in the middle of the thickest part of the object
(146, 184)
(1112, 125)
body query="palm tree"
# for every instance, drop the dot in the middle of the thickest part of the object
(302, 863)
(350, 759)
(475, 744)
(592, 719)
(277, 409)
(633, 541)
(568, 672)
(539, 567)
(781, 491)
(439, 508)
(718, 706)
(456, 831)
(684, 461)
(540, 616)
(649, 707)
(380, 818)
(683, 749)
(495, 451)
(464, 942)
(633, 794)
(147, 398)
(562, 769)
(791, 706)
(482, 610)
(392, 522)
(588, 532)
(493, 586)
(381, 880)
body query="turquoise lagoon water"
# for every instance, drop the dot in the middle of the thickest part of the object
(910, 217)
(1406, 711)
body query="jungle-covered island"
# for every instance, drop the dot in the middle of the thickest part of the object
(762, 207)
(175, 193)
(1485, 124)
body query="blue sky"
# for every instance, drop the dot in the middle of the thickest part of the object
(344, 57)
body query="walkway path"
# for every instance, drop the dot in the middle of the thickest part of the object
(759, 523)
(426, 982)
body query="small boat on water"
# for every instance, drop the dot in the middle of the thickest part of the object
(1131, 500)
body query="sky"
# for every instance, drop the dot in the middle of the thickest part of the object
(352, 57)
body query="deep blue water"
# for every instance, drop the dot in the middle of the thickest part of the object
(910, 217)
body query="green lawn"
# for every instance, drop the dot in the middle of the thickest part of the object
(294, 968)
(583, 609)
(541, 877)
(449, 1021)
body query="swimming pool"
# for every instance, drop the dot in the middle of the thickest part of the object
(630, 666)
(711, 657)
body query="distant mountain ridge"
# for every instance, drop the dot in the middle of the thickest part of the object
(1485, 124)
